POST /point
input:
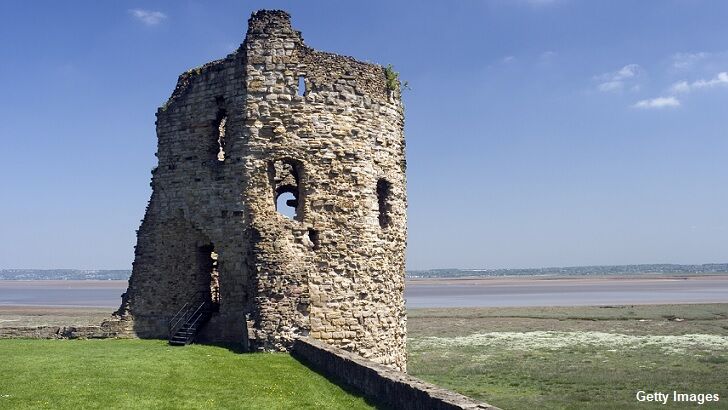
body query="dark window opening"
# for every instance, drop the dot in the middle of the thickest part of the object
(208, 264)
(313, 236)
(301, 86)
(383, 197)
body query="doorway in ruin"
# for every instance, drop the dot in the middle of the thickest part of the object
(209, 274)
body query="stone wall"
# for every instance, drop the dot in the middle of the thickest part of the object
(274, 118)
(386, 387)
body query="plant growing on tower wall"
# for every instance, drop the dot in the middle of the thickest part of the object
(392, 81)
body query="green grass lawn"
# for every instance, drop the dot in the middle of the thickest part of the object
(145, 374)
(573, 358)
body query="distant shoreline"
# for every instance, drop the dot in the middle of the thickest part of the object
(578, 271)
(614, 271)
(111, 283)
(464, 280)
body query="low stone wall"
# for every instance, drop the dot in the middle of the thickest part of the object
(377, 382)
(53, 332)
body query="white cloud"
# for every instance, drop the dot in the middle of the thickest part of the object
(546, 55)
(610, 86)
(680, 87)
(615, 80)
(720, 79)
(148, 17)
(628, 71)
(659, 102)
(508, 59)
(684, 61)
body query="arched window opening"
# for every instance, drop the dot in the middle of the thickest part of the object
(287, 188)
(383, 198)
(301, 91)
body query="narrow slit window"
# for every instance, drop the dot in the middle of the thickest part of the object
(313, 236)
(383, 199)
(301, 86)
(221, 130)
(209, 272)
(215, 280)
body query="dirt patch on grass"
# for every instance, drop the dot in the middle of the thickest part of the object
(34, 316)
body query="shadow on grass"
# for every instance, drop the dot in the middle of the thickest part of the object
(344, 386)
(240, 348)
(233, 347)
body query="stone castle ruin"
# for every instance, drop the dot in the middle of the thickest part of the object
(277, 125)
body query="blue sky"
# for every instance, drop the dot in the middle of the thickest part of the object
(539, 132)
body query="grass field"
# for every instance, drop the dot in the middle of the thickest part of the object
(145, 374)
(514, 358)
(576, 357)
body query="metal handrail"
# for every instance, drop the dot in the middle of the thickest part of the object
(197, 315)
(183, 315)
(177, 318)
(192, 321)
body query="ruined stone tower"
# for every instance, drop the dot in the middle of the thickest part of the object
(277, 119)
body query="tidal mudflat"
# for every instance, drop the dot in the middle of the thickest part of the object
(34, 316)
(427, 293)
(571, 291)
(62, 293)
